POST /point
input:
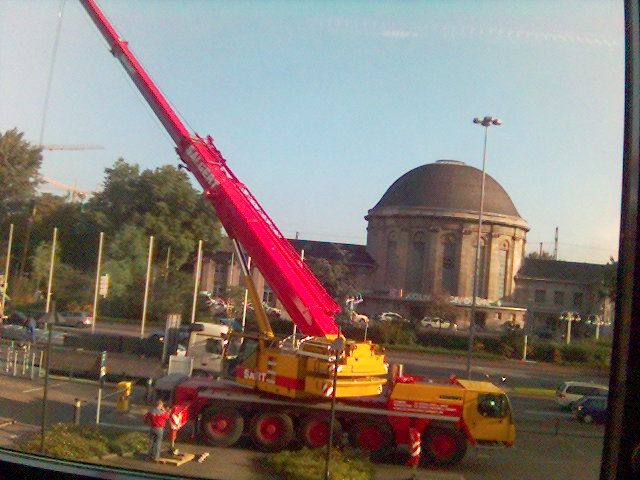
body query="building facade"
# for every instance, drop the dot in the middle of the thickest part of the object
(423, 236)
(555, 291)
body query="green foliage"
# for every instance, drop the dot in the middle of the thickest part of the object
(19, 164)
(334, 275)
(160, 202)
(309, 464)
(84, 442)
(544, 256)
(69, 442)
(440, 307)
(393, 333)
(133, 205)
(584, 353)
(129, 442)
(511, 344)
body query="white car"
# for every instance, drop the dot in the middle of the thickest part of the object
(568, 393)
(391, 317)
(429, 322)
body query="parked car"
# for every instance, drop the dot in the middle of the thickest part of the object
(74, 319)
(430, 322)
(183, 334)
(569, 393)
(20, 333)
(386, 317)
(17, 318)
(511, 326)
(591, 410)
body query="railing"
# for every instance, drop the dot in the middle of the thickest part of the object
(21, 359)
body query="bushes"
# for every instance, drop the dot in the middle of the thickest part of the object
(585, 353)
(82, 443)
(510, 345)
(393, 333)
(309, 464)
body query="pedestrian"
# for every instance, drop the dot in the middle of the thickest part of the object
(157, 418)
(31, 329)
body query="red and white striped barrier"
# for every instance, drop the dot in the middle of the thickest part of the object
(327, 390)
(414, 447)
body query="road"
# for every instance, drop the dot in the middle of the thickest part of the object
(550, 443)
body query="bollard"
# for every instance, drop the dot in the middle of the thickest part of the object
(15, 362)
(149, 396)
(41, 364)
(8, 364)
(76, 411)
(33, 365)
(414, 451)
(25, 354)
(557, 426)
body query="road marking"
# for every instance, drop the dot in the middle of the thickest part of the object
(572, 446)
(35, 389)
(548, 414)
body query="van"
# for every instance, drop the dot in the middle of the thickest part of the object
(569, 393)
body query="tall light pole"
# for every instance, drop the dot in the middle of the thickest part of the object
(486, 122)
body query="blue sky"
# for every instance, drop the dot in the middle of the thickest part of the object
(319, 106)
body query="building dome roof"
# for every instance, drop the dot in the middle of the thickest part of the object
(448, 185)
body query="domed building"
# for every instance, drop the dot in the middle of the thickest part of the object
(422, 235)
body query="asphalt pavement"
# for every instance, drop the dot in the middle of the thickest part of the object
(550, 443)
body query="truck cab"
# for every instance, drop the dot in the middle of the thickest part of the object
(208, 347)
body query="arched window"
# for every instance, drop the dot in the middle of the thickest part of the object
(393, 262)
(450, 265)
(483, 269)
(415, 266)
(503, 269)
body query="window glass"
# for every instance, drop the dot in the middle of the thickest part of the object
(321, 109)
(493, 405)
(558, 297)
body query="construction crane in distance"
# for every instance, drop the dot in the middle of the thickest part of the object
(76, 193)
(70, 147)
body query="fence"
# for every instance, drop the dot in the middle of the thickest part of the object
(20, 359)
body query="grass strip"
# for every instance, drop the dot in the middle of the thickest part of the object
(543, 392)
(309, 464)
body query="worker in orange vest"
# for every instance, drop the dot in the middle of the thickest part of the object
(157, 419)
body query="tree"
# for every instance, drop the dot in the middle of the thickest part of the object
(19, 164)
(334, 275)
(163, 203)
(440, 307)
(539, 256)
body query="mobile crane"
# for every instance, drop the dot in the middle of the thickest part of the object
(283, 384)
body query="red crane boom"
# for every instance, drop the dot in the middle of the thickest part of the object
(304, 298)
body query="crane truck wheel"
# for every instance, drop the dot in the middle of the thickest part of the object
(222, 426)
(443, 446)
(314, 431)
(271, 431)
(372, 435)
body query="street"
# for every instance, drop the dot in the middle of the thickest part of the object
(550, 442)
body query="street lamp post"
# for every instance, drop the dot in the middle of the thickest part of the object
(486, 122)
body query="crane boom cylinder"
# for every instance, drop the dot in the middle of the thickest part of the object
(309, 305)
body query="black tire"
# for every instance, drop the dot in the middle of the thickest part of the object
(371, 435)
(271, 431)
(314, 431)
(443, 446)
(222, 426)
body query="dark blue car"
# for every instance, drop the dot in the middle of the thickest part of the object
(591, 410)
